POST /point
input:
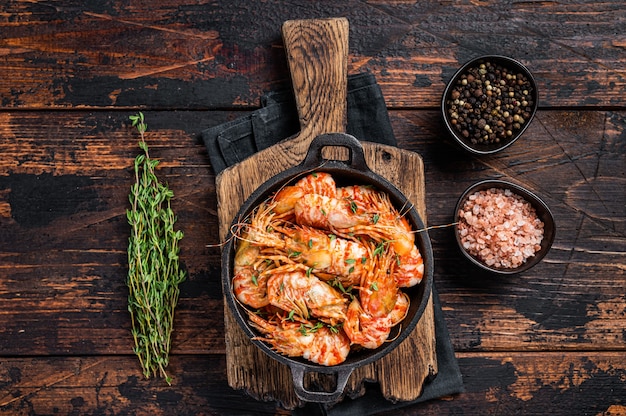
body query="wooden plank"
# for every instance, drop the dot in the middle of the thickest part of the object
(64, 233)
(496, 383)
(51, 252)
(201, 56)
(64, 179)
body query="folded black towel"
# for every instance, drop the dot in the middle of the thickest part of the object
(232, 142)
(368, 120)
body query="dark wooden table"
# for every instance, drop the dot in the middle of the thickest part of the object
(550, 341)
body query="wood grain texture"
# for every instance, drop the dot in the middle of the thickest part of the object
(214, 55)
(497, 383)
(52, 251)
(550, 341)
(63, 266)
(317, 52)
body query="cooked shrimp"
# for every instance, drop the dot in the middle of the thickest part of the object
(378, 289)
(410, 269)
(329, 256)
(320, 183)
(364, 329)
(373, 216)
(325, 212)
(315, 342)
(248, 286)
(371, 332)
(401, 308)
(293, 290)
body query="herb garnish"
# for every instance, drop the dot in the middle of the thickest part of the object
(154, 272)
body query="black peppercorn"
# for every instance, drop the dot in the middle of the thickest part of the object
(490, 103)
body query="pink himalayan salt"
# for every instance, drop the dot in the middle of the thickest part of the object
(499, 228)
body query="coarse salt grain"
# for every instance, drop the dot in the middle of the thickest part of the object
(499, 228)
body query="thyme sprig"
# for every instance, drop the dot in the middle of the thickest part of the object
(154, 272)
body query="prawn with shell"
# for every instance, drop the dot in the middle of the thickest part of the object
(320, 269)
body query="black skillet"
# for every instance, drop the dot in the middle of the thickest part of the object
(351, 171)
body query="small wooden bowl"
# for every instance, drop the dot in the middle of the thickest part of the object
(542, 210)
(459, 110)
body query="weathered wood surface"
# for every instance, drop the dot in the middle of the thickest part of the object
(63, 255)
(497, 383)
(206, 54)
(550, 341)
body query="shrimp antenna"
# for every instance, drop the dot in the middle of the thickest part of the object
(395, 336)
(223, 243)
(405, 208)
(434, 227)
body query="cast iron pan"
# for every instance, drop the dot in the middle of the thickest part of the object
(352, 171)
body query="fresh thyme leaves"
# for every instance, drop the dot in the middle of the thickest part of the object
(378, 251)
(346, 291)
(335, 328)
(154, 271)
(350, 261)
(309, 328)
(293, 254)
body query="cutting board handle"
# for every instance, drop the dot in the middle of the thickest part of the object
(317, 53)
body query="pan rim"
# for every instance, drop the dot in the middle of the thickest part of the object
(293, 174)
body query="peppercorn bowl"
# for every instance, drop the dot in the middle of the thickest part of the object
(502, 227)
(489, 103)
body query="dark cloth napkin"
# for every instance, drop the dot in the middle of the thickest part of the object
(367, 119)
(232, 142)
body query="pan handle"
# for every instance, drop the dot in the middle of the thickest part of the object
(298, 373)
(356, 156)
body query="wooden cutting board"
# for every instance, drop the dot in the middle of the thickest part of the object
(317, 52)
